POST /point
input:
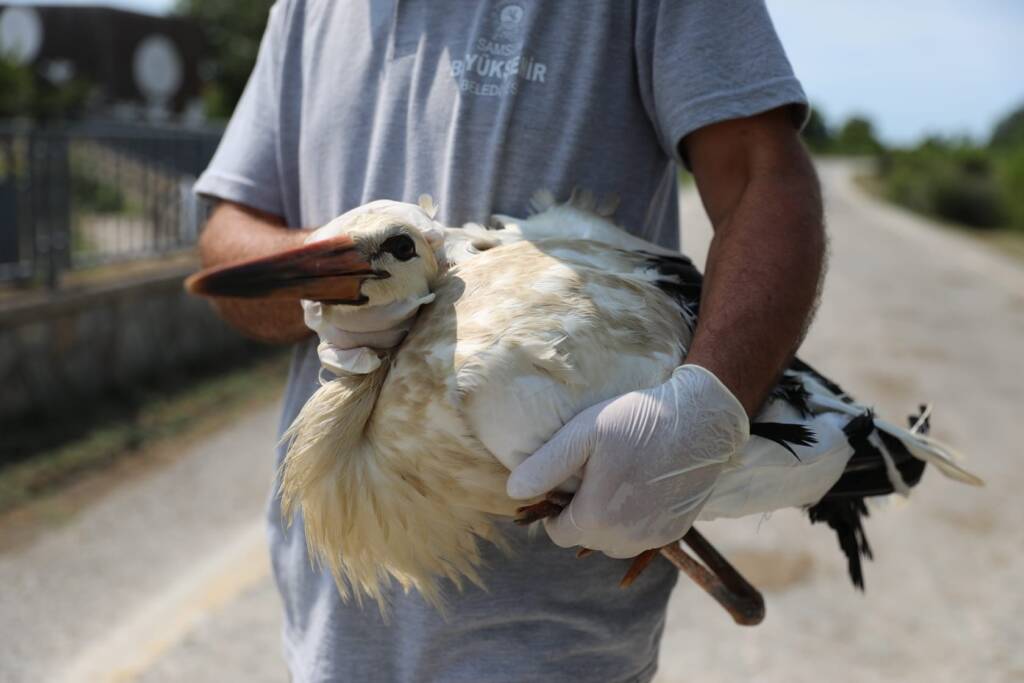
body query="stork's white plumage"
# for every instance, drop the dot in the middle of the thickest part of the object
(398, 472)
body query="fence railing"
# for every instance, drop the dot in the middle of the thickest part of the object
(77, 197)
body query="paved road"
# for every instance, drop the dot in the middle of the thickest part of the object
(166, 579)
(910, 312)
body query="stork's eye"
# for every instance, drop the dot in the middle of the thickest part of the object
(400, 246)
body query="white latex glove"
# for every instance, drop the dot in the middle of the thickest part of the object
(648, 461)
(350, 337)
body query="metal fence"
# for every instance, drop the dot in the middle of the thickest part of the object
(77, 197)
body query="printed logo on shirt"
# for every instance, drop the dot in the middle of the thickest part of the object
(495, 64)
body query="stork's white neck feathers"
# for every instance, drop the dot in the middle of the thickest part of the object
(370, 501)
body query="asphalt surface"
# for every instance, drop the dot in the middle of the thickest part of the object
(166, 578)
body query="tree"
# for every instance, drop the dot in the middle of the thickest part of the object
(1009, 132)
(857, 136)
(231, 31)
(16, 88)
(24, 94)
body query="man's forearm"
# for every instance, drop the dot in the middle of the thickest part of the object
(762, 279)
(236, 232)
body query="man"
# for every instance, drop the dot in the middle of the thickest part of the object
(480, 104)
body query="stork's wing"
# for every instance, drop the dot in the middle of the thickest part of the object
(607, 328)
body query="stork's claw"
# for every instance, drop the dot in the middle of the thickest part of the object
(559, 498)
(552, 505)
(528, 514)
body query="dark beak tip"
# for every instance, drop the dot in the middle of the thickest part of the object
(331, 269)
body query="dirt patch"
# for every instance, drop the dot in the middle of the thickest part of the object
(976, 522)
(773, 571)
(892, 385)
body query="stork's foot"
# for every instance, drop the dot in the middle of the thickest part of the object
(716, 576)
(640, 563)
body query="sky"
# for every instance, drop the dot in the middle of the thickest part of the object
(915, 67)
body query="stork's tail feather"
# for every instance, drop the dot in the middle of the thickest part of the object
(844, 516)
(931, 450)
(915, 440)
(886, 459)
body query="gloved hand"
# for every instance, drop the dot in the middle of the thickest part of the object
(648, 461)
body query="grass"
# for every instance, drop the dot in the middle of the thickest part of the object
(136, 430)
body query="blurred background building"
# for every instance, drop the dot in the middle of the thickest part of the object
(100, 63)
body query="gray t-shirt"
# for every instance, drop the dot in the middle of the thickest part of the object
(480, 103)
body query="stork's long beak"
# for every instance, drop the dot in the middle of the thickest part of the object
(331, 271)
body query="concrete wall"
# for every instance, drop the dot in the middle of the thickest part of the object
(64, 348)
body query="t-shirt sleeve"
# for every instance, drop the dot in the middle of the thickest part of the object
(704, 61)
(245, 168)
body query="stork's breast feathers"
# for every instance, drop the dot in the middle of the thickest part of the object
(550, 330)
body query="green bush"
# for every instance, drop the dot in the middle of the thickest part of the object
(1010, 171)
(957, 183)
(969, 199)
(955, 179)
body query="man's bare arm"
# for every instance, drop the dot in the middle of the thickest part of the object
(767, 257)
(238, 232)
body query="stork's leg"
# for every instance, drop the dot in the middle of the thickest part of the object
(740, 599)
(719, 578)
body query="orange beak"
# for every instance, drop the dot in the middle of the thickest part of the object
(331, 271)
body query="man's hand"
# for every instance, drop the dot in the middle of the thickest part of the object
(649, 460)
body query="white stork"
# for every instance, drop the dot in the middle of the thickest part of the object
(398, 472)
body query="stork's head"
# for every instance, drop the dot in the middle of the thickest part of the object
(375, 254)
